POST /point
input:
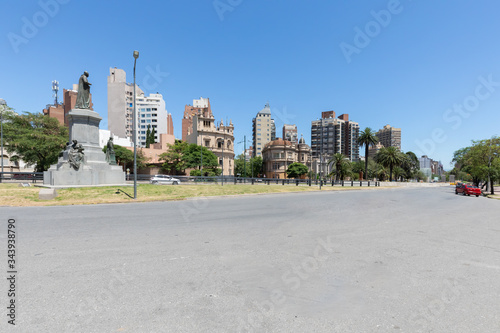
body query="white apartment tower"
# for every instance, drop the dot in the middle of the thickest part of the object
(263, 130)
(151, 109)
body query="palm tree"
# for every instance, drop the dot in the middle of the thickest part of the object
(340, 166)
(389, 157)
(368, 139)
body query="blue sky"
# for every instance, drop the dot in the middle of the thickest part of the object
(430, 68)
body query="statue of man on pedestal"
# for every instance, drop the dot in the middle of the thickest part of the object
(83, 97)
(110, 152)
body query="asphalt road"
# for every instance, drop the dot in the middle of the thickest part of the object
(387, 260)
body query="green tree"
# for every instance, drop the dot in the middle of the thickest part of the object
(173, 161)
(242, 168)
(35, 138)
(295, 170)
(192, 156)
(256, 167)
(125, 157)
(481, 160)
(389, 157)
(341, 166)
(359, 167)
(410, 164)
(150, 136)
(368, 139)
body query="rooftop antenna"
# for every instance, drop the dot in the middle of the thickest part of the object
(55, 89)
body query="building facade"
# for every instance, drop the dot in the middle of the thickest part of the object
(290, 133)
(390, 136)
(330, 135)
(279, 154)
(152, 113)
(60, 111)
(263, 130)
(205, 132)
(151, 110)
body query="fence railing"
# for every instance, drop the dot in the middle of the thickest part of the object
(38, 176)
(266, 181)
(31, 177)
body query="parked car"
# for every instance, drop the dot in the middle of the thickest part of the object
(164, 180)
(467, 189)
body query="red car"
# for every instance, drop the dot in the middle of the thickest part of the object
(467, 189)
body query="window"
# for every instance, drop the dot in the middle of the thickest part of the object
(219, 144)
(143, 121)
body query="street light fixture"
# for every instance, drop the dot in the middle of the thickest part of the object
(2, 106)
(134, 131)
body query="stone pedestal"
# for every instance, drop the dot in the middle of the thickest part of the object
(84, 127)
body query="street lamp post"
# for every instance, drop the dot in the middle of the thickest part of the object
(201, 155)
(223, 140)
(2, 106)
(134, 130)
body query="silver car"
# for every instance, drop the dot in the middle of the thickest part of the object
(164, 180)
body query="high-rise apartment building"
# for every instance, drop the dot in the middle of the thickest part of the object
(290, 133)
(151, 110)
(390, 136)
(263, 130)
(330, 135)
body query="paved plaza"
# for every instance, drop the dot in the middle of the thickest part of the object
(385, 260)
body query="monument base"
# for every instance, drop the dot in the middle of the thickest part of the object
(93, 169)
(89, 174)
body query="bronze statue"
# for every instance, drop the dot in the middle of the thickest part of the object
(75, 155)
(83, 97)
(110, 152)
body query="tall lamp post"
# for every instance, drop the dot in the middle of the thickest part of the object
(2, 107)
(134, 130)
(201, 155)
(223, 140)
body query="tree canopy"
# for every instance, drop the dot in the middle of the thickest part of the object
(389, 157)
(367, 138)
(481, 160)
(125, 157)
(252, 168)
(35, 138)
(295, 170)
(182, 155)
(341, 166)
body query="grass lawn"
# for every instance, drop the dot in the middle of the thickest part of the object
(13, 195)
